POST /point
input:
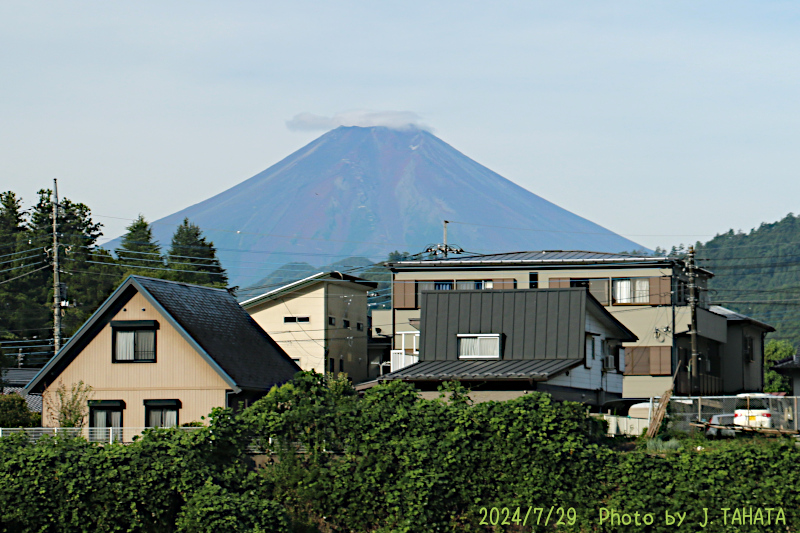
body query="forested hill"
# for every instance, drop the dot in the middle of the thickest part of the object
(758, 274)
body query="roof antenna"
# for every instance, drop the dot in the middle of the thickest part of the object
(443, 249)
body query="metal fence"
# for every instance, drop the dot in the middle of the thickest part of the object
(123, 435)
(684, 410)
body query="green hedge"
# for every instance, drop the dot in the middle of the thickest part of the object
(390, 461)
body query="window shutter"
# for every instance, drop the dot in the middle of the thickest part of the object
(404, 294)
(640, 364)
(505, 283)
(660, 360)
(559, 283)
(620, 353)
(599, 289)
(660, 290)
(629, 361)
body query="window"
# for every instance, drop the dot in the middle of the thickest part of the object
(292, 319)
(341, 365)
(346, 323)
(134, 341)
(474, 285)
(331, 321)
(479, 346)
(360, 326)
(443, 285)
(105, 420)
(631, 291)
(161, 413)
(331, 365)
(533, 280)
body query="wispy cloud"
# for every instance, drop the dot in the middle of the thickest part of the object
(397, 120)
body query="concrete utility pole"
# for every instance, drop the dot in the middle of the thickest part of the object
(443, 249)
(56, 283)
(445, 238)
(695, 375)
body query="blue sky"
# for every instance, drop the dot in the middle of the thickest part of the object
(666, 122)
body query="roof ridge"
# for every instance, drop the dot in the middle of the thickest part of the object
(183, 283)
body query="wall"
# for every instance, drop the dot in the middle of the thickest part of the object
(591, 375)
(645, 386)
(738, 375)
(179, 373)
(303, 342)
(347, 345)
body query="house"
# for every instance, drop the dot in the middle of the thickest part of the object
(504, 343)
(161, 353)
(790, 367)
(321, 322)
(14, 381)
(649, 295)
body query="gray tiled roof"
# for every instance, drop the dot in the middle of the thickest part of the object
(789, 363)
(537, 370)
(214, 319)
(34, 401)
(209, 319)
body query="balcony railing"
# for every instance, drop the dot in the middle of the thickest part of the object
(122, 435)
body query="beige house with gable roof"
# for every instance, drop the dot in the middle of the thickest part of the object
(321, 322)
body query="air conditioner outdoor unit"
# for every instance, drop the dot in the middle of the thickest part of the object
(609, 362)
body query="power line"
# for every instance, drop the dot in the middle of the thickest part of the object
(17, 268)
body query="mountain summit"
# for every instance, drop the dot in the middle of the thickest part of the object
(367, 191)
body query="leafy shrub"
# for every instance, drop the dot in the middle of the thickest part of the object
(213, 509)
(14, 412)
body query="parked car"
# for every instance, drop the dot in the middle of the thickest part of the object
(753, 410)
(721, 420)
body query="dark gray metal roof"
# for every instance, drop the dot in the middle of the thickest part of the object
(18, 377)
(210, 320)
(536, 370)
(733, 316)
(542, 256)
(305, 282)
(534, 323)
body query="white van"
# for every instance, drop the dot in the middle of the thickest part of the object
(753, 410)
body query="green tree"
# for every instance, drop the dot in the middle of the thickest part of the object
(20, 256)
(86, 272)
(774, 351)
(139, 249)
(14, 412)
(193, 259)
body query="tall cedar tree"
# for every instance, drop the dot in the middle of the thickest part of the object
(193, 259)
(21, 256)
(87, 273)
(139, 253)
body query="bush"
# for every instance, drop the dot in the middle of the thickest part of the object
(214, 509)
(14, 412)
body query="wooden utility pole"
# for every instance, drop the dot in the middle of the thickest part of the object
(695, 370)
(56, 283)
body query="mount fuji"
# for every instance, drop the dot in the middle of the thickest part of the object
(359, 191)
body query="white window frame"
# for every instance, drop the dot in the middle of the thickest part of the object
(479, 336)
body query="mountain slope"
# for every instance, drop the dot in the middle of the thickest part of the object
(368, 191)
(757, 274)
